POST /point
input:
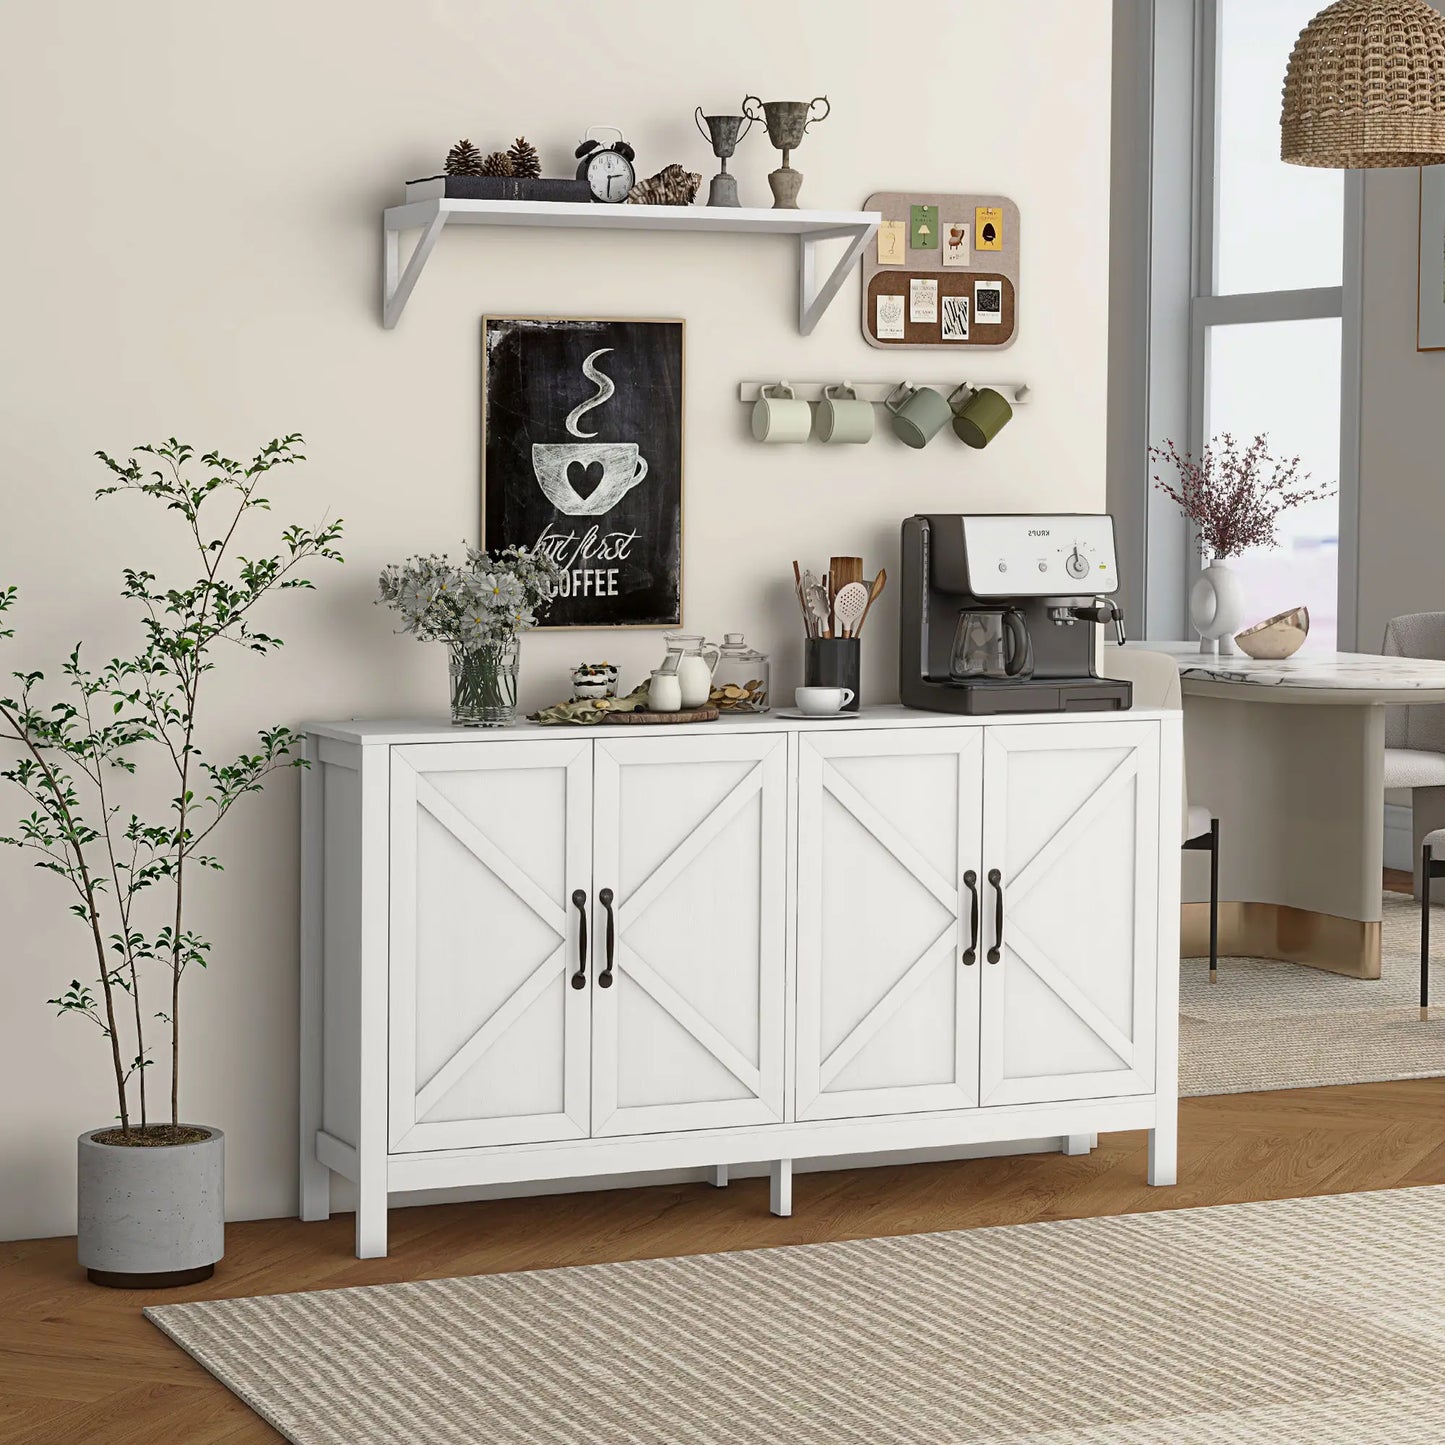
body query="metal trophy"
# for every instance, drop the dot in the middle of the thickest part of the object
(723, 133)
(787, 122)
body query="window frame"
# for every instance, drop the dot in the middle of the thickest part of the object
(1209, 309)
(1184, 307)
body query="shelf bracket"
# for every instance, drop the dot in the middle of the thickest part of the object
(396, 284)
(814, 298)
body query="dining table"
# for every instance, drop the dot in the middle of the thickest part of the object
(1289, 755)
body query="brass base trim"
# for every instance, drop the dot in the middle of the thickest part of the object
(1292, 935)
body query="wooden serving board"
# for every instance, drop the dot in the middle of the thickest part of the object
(706, 713)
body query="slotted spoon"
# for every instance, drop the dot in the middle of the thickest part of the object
(848, 608)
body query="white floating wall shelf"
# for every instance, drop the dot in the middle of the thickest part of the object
(1017, 393)
(816, 288)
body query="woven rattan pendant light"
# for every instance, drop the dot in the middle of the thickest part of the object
(1366, 87)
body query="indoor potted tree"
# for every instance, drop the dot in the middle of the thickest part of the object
(150, 1191)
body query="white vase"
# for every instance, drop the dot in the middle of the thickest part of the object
(1216, 608)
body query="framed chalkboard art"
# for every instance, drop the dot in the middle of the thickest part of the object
(582, 434)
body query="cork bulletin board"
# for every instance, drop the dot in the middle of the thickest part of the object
(943, 272)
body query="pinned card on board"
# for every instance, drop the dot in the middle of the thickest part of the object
(923, 300)
(988, 303)
(889, 325)
(955, 318)
(988, 228)
(923, 232)
(957, 250)
(892, 245)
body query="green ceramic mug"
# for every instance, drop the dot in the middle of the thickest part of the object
(978, 416)
(919, 413)
(842, 417)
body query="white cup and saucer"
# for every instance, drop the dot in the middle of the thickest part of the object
(821, 702)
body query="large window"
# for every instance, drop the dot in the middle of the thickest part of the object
(1266, 317)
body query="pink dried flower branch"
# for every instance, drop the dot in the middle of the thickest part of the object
(1234, 497)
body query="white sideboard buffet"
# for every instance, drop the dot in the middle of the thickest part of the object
(536, 954)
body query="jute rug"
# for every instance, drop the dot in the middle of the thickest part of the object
(1270, 1025)
(1319, 1320)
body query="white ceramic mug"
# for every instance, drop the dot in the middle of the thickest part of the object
(842, 417)
(778, 416)
(822, 701)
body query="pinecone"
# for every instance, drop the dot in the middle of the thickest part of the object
(464, 159)
(525, 160)
(499, 163)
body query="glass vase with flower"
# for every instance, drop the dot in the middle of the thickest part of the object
(479, 608)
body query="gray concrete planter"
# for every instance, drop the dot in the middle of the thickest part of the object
(151, 1217)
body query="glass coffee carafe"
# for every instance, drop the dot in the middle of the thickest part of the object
(991, 642)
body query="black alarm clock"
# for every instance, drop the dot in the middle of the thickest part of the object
(607, 169)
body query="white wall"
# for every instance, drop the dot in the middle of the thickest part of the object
(1402, 462)
(192, 248)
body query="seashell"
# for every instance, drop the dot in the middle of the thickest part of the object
(671, 186)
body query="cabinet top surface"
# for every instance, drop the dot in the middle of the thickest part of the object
(382, 732)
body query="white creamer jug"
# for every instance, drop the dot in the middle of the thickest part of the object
(694, 666)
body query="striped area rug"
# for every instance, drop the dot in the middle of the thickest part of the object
(1311, 1320)
(1272, 1025)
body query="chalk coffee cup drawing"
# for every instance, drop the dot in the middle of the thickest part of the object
(919, 413)
(842, 417)
(778, 416)
(822, 701)
(979, 416)
(609, 470)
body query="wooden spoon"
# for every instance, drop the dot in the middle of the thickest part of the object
(842, 571)
(879, 582)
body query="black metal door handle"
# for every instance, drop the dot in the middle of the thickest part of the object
(970, 881)
(604, 979)
(579, 902)
(996, 952)
(996, 879)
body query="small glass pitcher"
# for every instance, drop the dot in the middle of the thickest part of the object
(688, 656)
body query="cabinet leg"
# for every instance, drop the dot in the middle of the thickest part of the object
(780, 1174)
(371, 1216)
(1078, 1143)
(315, 1186)
(718, 1176)
(1164, 1150)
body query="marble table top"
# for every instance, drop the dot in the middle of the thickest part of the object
(1362, 676)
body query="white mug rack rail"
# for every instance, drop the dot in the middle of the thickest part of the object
(1016, 393)
(817, 285)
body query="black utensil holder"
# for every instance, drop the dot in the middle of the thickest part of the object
(832, 662)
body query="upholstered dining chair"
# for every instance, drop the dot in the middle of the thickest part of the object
(1415, 760)
(1155, 677)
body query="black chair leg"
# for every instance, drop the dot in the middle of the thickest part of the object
(1214, 900)
(1426, 872)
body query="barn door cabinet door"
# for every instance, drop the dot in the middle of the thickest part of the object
(490, 845)
(1070, 848)
(690, 841)
(889, 835)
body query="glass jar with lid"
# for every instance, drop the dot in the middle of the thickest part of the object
(741, 680)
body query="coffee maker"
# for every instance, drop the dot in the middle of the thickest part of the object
(995, 612)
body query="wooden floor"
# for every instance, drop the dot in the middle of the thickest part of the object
(80, 1364)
